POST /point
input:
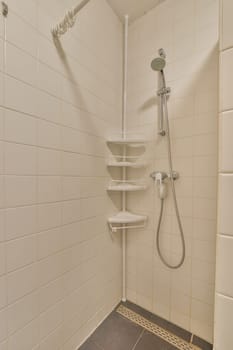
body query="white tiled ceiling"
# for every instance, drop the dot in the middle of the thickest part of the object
(133, 8)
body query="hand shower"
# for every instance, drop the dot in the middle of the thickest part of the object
(162, 178)
(158, 64)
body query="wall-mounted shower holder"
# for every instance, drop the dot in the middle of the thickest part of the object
(164, 91)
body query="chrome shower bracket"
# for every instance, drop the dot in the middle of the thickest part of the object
(5, 9)
(164, 91)
(162, 53)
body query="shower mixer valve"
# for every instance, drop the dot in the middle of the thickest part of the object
(160, 178)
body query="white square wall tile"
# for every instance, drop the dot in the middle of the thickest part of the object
(25, 338)
(22, 312)
(20, 128)
(223, 322)
(226, 142)
(2, 258)
(49, 189)
(3, 292)
(48, 80)
(50, 268)
(20, 159)
(49, 162)
(20, 252)
(20, 190)
(20, 221)
(15, 92)
(71, 211)
(2, 191)
(202, 319)
(2, 225)
(26, 9)
(2, 86)
(225, 204)
(51, 294)
(2, 151)
(1, 55)
(20, 65)
(22, 282)
(204, 208)
(50, 320)
(224, 277)
(53, 341)
(22, 34)
(2, 123)
(226, 80)
(3, 325)
(227, 24)
(49, 134)
(49, 216)
(49, 242)
(71, 187)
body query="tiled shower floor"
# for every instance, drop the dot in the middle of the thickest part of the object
(119, 333)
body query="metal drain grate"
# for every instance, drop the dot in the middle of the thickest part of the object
(153, 328)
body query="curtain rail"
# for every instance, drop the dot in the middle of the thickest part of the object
(68, 21)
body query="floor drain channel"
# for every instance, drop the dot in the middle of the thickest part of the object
(156, 330)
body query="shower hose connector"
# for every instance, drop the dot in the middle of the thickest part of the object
(164, 91)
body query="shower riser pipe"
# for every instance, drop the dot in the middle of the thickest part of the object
(124, 204)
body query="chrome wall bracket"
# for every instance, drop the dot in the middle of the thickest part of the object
(162, 175)
(5, 9)
(164, 91)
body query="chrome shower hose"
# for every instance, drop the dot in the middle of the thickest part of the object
(180, 263)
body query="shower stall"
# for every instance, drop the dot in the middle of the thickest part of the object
(175, 104)
(109, 173)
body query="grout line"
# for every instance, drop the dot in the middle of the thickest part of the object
(81, 108)
(51, 121)
(111, 106)
(139, 338)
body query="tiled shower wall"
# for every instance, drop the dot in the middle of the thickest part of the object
(59, 267)
(224, 280)
(188, 31)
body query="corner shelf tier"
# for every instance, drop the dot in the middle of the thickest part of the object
(126, 220)
(128, 139)
(127, 161)
(125, 217)
(126, 186)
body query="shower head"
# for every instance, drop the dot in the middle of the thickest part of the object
(158, 64)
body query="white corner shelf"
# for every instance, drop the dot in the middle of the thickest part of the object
(128, 139)
(127, 219)
(124, 219)
(127, 185)
(127, 161)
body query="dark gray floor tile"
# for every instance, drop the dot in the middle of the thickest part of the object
(89, 345)
(151, 342)
(202, 343)
(117, 333)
